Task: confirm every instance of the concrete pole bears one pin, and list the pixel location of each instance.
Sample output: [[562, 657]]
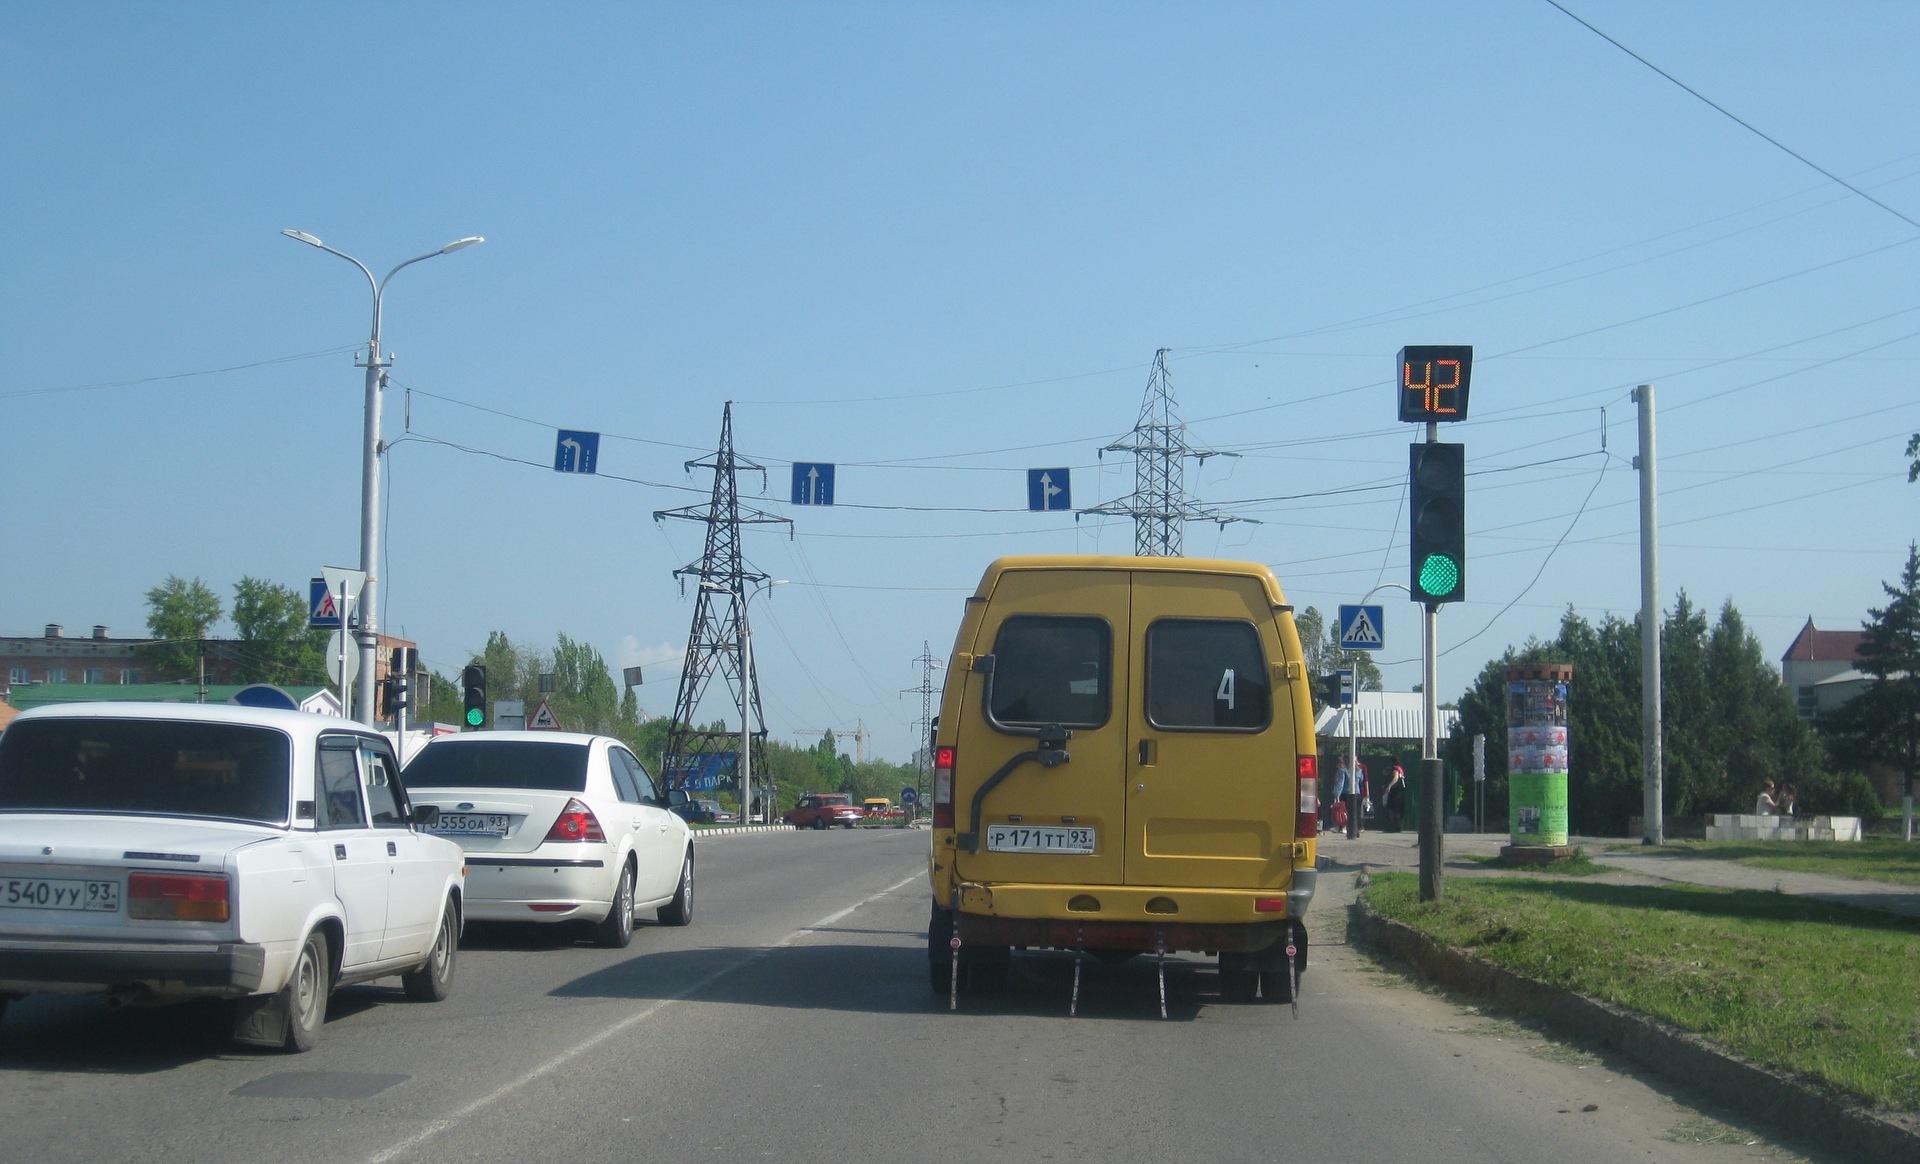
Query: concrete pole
[[746, 712], [367, 632], [1653, 778]]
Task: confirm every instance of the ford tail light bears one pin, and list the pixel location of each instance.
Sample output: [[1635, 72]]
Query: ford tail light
[[178, 897], [576, 823], [943, 758], [1307, 818]]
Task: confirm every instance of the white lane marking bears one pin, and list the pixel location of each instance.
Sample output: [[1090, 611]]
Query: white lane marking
[[497, 1094]]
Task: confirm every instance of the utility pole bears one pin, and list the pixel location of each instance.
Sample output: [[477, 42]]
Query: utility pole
[[923, 727], [1159, 505], [720, 641], [1653, 823], [1433, 771]]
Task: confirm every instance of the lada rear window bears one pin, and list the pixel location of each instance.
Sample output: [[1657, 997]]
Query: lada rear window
[[1207, 673], [499, 764], [147, 766], [1053, 669]]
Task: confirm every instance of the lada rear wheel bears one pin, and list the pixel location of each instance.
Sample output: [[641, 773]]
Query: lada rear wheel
[[616, 932], [819, 822], [433, 981], [307, 994]]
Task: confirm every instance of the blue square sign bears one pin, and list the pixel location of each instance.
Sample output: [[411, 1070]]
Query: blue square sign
[[812, 483], [1049, 489], [576, 452], [1362, 628]]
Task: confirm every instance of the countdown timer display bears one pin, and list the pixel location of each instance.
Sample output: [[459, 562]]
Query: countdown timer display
[[1432, 381]]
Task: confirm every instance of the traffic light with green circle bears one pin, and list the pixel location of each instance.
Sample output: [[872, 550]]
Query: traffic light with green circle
[[1437, 529], [473, 690]]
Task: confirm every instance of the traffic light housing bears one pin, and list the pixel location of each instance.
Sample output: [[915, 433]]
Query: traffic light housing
[[1437, 528], [473, 692]]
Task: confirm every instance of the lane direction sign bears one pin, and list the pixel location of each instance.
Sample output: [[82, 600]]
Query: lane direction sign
[[576, 452], [1362, 628], [1049, 489], [812, 483]]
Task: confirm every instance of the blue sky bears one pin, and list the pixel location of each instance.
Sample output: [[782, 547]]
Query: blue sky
[[938, 244]]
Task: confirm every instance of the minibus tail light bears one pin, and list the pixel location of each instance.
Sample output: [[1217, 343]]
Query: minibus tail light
[[943, 786], [1307, 817]]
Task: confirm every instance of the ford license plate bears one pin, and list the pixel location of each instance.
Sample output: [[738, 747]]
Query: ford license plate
[[471, 824], [60, 893], [1003, 838]]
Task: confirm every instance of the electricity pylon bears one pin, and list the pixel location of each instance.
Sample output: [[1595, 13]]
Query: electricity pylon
[[1159, 505], [720, 641], [923, 751]]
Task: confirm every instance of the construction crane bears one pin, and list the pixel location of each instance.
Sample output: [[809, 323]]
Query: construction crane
[[859, 734]]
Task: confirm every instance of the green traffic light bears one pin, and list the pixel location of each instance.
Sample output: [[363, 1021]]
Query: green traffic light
[[475, 717], [1439, 575]]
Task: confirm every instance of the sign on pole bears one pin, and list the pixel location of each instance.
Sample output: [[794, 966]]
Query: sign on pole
[[576, 452], [1362, 628], [1345, 676], [542, 719], [323, 612], [1049, 489], [812, 483]]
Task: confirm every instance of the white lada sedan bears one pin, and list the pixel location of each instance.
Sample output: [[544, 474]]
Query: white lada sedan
[[557, 826], [160, 852]]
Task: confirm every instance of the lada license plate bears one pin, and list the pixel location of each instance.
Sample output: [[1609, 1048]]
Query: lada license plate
[[60, 893], [1038, 839], [471, 824]]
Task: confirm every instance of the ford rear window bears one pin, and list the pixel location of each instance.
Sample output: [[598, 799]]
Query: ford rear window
[[147, 766], [499, 764], [1052, 669]]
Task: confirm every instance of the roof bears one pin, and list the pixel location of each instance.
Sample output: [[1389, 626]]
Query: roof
[[26, 696], [1815, 645], [1385, 715], [292, 722], [1217, 566], [534, 735]]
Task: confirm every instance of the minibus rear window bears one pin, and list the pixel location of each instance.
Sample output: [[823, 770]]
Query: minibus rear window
[[1049, 669], [1207, 673]]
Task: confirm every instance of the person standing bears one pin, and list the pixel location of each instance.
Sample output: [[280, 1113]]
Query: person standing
[[1394, 800], [1358, 803], [1764, 804], [1341, 779]]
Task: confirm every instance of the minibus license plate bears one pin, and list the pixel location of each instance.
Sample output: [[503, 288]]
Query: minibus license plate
[[1038, 839], [471, 824]]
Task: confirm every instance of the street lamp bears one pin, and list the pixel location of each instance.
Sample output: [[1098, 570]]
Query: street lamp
[[745, 766], [367, 633]]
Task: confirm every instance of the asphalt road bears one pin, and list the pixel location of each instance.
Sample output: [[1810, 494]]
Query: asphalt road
[[792, 1021]]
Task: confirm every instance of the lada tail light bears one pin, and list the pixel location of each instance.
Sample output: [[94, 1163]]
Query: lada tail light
[[1307, 820], [576, 823], [943, 787], [178, 897]]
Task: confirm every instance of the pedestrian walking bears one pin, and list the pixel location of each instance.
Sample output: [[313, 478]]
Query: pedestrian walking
[[1341, 779]]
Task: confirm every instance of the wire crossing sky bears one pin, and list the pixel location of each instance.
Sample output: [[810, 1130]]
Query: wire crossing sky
[[938, 246]]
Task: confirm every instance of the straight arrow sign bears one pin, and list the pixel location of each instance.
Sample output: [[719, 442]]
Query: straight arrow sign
[[1049, 489]]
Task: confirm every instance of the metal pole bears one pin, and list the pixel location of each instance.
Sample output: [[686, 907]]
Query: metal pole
[[1432, 771], [1653, 824], [366, 632], [1353, 759]]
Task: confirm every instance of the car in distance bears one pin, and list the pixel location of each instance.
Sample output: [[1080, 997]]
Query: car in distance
[[702, 811], [557, 826], [162, 852], [820, 810]]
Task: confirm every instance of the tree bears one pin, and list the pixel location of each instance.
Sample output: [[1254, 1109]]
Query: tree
[[1883, 722], [1913, 452], [276, 645], [179, 614]]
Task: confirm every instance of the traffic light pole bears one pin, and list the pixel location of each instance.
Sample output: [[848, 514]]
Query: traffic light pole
[[1432, 770]]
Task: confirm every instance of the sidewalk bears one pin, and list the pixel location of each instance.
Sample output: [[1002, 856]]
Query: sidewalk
[[1401, 851]]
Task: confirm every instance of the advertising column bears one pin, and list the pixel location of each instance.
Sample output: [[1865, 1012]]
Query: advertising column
[[1537, 752]]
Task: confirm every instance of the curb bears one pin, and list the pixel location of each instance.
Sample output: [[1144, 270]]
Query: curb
[[1757, 1092], [741, 830]]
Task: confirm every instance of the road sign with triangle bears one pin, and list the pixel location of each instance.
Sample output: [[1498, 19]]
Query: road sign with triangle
[[1362, 628], [542, 719]]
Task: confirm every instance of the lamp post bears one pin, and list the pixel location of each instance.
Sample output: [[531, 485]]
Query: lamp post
[[745, 766], [366, 633]]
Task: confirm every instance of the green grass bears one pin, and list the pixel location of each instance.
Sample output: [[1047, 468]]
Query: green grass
[[1873, 859], [1823, 990], [1580, 865]]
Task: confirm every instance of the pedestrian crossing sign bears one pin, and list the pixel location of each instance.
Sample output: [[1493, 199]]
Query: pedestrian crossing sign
[[1361, 628]]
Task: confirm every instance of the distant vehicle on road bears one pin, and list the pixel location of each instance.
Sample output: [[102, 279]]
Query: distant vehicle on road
[[819, 810], [1125, 762], [701, 811], [157, 852], [557, 826]]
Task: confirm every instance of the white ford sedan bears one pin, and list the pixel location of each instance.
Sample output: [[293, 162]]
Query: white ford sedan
[[159, 852], [557, 826]]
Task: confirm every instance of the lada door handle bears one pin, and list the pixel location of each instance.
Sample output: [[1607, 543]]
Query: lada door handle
[[392, 849], [339, 852]]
